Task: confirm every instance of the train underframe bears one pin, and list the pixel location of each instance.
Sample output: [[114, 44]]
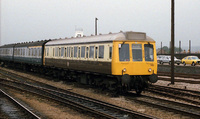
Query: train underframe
[[117, 84]]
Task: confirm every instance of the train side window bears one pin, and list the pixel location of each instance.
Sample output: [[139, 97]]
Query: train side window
[[47, 51], [87, 51], [29, 52], [82, 51], [79, 52], [72, 52], [101, 51], [53, 52], [96, 50], [91, 52], [62, 51], [75, 51], [68, 52], [56, 52], [110, 52]]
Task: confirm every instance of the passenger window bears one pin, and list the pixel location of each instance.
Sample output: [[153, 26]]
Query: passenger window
[[124, 52], [59, 52], [110, 52], [91, 52], [75, 51], [72, 52], [67, 51], [62, 52], [101, 52], [189, 58], [137, 52], [82, 51], [87, 50]]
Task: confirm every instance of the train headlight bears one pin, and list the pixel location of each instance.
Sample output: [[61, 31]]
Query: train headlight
[[150, 70], [124, 69]]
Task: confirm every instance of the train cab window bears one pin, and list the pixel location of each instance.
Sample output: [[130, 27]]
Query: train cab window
[[91, 52], [137, 52], [87, 51], [110, 52], [101, 52], [149, 55], [124, 52], [82, 51], [75, 51], [79, 52], [62, 51]]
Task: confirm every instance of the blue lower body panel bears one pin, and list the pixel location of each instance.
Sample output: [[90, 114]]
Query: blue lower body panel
[[28, 60]]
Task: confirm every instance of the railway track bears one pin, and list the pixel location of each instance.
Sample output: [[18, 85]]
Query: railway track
[[77, 101], [173, 106], [189, 96], [183, 75], [15, 109]]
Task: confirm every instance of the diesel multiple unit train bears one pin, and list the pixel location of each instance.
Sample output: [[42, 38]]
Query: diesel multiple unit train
[[116, 61]]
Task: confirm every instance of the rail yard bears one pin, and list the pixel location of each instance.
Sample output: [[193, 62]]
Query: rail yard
[[160, 100]]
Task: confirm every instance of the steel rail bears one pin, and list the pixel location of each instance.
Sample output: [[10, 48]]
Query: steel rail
[[97, 107], [26, 110], [185, 109]]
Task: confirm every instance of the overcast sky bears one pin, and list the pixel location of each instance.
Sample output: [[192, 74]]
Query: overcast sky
[[32, 20]]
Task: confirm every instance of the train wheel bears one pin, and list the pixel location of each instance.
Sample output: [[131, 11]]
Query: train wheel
[[138, 91]]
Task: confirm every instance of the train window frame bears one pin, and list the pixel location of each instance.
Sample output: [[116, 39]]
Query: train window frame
[[110, 52], [91, 52], [87, 52], [62, 51], [148, 57], [75, 51], [72, 52], [83, 53], [101, 52], [53, 52], [137, 55], [122, 48]]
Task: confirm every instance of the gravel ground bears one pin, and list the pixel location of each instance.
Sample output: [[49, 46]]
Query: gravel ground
[[51, 110], [120, 101], [180, 85]]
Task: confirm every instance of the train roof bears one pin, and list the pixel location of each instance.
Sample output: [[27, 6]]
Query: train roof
[[29, 44], [8, 46], [137, 36]]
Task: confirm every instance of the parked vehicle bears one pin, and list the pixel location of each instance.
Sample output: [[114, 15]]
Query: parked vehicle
[[193, 60], [167, 59]]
